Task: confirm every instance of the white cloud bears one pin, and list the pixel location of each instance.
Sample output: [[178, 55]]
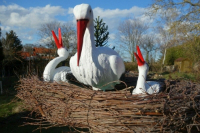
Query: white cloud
[[108, 13], [70, 10], [113, 17], [26, 21], [46, 40], [20, 19], [112, 36], [146, 19], [28, 37], [5, 28], [15, 15]]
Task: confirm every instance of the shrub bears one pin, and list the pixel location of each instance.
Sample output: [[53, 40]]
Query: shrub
[[156, 67], [131, 66]]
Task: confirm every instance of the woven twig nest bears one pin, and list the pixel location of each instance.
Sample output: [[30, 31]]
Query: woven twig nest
[[176, 109]]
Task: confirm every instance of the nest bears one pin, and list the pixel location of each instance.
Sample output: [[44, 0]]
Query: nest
[[176, 109]]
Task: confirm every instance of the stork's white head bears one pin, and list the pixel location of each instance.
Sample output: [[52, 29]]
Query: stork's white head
[[142, 65], [62, 52], [84, 17], [83, 12]]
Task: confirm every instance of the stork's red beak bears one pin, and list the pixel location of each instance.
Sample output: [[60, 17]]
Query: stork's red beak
[[81, 26], [139, 57], [59, 43]]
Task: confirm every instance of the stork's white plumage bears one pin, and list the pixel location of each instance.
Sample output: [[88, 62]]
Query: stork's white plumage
[[51, 73], [144, 86], [90, 65]]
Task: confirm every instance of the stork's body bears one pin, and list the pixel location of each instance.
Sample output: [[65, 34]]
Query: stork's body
[[51, 73], [96, 66], [144, 86]]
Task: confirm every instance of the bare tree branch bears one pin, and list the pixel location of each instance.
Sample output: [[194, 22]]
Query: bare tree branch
[[130, 34]]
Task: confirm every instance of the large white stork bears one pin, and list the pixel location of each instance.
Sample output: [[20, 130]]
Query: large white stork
[[90, 65], [51, 73], [144, 86]]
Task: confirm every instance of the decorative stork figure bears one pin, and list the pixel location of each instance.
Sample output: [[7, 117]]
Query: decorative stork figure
[[51, 73], [97, 67], [144, 86]]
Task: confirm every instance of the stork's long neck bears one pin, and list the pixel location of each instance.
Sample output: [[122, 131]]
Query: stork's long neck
[[88, 40], [53, 63], [50, 67], [141, 78]]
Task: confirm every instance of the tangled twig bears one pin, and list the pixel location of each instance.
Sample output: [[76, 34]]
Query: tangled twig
[[176, 109]]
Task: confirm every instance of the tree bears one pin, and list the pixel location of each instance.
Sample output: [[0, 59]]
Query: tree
[[45, 33], [12, 51], [183, 12], [174, 53], [1, 50], [178, 23], [68, 35], [100, 32], [28, 48], [165, 41], [148, 45], [130, 33], [12, 42], [69, 38], [190, 8]]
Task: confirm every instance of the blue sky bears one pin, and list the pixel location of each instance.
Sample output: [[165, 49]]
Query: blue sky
[[25, 17], [106, 4]]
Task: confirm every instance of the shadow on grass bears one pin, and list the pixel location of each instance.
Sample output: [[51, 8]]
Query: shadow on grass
[[164, 73], [13, 124]]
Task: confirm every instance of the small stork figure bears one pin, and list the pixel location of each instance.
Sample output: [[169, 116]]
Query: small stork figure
[[144, 86], [51, 73]]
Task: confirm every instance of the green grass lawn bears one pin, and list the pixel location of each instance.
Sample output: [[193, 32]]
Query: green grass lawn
[[8, 102], [8, 105], [182, 76]]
